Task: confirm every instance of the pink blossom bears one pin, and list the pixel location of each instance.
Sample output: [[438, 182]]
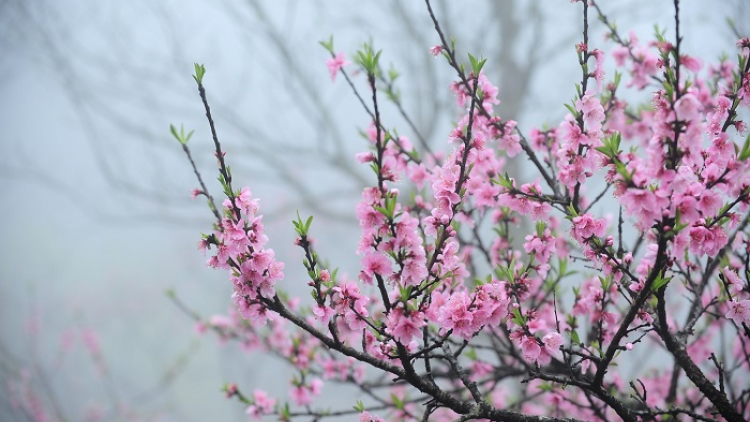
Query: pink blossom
[[405, 327], [552, 343], [688, 208], [262, 259], [200, 327], [599, 69], [691, 63], [620, 54], [234, 229], [325, 276], [231, 390], [644, 204], [435, 50], [707, 241], [247, 203], [316, 386], [220, 321], [375, 263], [368, 417], [739, 311], [584, 227], [530, 348], [593, 112], [480, 369], [300, 395], [456, 316], [643, 68], [709, 203], [365, 157], [335, 64], [262, 404], [91, 341], [636, 286], [323, 313], [687, 107], [733, 280], [203, 246], [542, 247], [417, 174], [510, 142]]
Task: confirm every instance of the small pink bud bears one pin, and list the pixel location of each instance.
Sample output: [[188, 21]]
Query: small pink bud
[[325, 276], [231, 390]]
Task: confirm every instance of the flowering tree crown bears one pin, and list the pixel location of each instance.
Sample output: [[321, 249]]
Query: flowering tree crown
[[451, 318]]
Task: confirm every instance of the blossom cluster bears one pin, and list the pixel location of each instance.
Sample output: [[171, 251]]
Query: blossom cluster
[[239, 240]]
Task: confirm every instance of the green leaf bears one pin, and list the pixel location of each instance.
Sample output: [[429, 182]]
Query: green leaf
[[658, 33], [384, 211], [181, 137], [504, 181], [391, 203], [397, 402], [393, 73], [545, 386], [286, 413], [472, 60], [618, 77], [368, 59], [745, 153], [328, 45], [623, 171], [605, 282], [660, 282], [300, 227], [572, 211], [405, 292], [540, 227], [359, 407], [571, 109], [518, 318], [476, 64], [200, 71], [562, 267], [611, 146], [604, 150], [505, 273]]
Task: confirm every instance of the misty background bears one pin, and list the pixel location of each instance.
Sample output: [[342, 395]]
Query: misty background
[[97, 219]]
